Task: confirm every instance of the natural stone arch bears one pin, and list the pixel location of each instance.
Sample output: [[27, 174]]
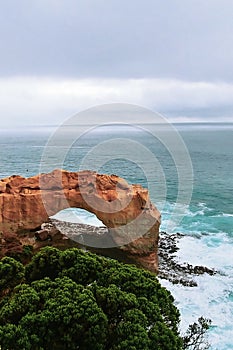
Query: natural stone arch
[[25, 203]]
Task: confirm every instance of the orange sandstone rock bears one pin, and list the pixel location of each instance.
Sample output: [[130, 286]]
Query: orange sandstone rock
[[132, 219]]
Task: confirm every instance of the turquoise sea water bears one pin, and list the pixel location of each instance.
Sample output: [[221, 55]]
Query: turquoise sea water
[[207, 221]]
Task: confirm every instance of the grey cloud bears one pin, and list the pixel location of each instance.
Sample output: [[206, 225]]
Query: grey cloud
[[189, 40], [44, 101]]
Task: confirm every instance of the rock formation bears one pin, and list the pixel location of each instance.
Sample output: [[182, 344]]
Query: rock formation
[[132, 220]]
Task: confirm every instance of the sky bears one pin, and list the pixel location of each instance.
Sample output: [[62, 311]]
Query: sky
[[59, 57]]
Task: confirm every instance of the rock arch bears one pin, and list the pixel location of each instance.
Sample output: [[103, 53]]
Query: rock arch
[[25, 203]]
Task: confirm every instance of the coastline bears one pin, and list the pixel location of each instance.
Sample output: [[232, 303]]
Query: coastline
[[64, 234], [169, 266], [171, 270]]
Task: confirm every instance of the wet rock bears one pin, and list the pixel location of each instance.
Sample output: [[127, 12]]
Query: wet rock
[[171, 269]]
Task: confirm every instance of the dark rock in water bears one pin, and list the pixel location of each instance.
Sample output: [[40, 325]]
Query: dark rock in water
[[200, 270], [173, 271]]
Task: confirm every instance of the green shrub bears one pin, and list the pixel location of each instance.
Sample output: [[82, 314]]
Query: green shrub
[[77, 300]]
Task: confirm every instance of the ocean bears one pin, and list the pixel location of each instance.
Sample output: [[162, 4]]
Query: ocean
[[204, 216]]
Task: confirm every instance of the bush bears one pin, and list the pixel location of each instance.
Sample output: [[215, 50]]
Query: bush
[[11, 273], [77, 300]]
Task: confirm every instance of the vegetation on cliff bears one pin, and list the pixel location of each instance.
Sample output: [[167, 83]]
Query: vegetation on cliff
[[72, 299], [76, 300]]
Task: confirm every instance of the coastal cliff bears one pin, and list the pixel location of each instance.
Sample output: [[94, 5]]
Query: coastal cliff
[[126, 210]]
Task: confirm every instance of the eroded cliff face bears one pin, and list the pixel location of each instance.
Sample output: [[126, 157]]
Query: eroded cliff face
[[133, 221]]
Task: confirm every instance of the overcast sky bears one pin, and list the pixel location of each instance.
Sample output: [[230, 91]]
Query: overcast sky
[[58, 57]]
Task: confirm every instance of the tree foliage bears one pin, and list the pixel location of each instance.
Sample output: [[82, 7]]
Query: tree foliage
[[11, 273], [77, 300], [194, 339]]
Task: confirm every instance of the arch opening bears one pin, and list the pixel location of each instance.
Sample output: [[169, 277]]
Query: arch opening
[[78, 216], [83, 227]]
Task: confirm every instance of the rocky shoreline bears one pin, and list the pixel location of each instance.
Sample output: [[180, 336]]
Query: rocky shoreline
[[169, 266], [64, 235], [93, 238]]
